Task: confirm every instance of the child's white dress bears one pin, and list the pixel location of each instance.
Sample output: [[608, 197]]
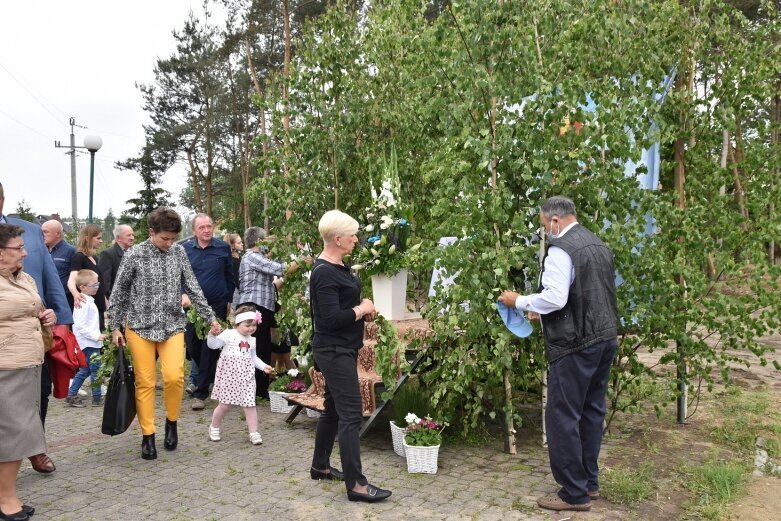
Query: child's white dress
[[234, 380]]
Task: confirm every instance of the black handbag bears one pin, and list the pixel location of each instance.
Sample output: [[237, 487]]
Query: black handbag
[[120, 406]]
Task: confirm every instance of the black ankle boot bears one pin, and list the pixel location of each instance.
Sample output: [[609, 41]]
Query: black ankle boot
[[171, 437], [148, 450]]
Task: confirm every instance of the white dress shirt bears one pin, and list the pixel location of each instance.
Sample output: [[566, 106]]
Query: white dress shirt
[[86, 324], [557, 276]]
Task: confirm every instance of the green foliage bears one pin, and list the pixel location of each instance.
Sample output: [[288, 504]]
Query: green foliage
[[24, 211], [628, 486], [108, 359], [201, 326], [715, 484], [746, 416], [410, 398], [150, 196], [390, 361], [473, 98]]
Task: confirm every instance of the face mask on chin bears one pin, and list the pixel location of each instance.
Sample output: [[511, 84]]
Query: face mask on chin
[[550, 233]]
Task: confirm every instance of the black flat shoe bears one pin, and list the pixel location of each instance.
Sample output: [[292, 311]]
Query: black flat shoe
[[27, 509], [171, 437], [148, 450], [372, 495], [332, 474], [18, 516]]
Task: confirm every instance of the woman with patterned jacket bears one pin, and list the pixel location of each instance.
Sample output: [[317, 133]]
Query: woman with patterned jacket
[[146, 301]]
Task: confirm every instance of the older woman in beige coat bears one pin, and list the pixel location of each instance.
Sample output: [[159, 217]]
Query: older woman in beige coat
[[22, 317]]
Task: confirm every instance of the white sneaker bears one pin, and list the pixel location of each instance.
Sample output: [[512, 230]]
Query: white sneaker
[[255, 438], [214, 433]]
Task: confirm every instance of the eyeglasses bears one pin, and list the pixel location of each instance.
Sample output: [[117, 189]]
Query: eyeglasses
[[19, 248], [93, 285]]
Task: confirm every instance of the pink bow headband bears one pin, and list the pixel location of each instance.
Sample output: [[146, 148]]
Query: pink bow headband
[[249, 315]]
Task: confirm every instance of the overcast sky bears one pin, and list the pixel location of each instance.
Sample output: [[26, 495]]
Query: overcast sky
[[79, 59]]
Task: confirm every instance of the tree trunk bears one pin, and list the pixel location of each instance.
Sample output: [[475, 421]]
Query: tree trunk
[[285, 97], [775, 143], [736, 159], [680, 183], [195, 173]]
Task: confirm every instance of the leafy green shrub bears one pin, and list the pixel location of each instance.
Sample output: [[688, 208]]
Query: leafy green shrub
[[627, 486], [410, 398]]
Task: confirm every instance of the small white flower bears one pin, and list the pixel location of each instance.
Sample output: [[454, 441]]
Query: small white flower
[[356, 267], [384, 226], [374, 252], [292, 372], [387, 219], [411, 418], [369, 227], [392, 249]]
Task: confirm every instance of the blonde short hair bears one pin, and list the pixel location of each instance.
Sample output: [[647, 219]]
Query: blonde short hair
[[84, 277], [333, 223]]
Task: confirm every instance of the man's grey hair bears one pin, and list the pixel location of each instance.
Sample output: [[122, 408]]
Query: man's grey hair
[[559, 206], [253, 235], [200, 216], [118, 229]]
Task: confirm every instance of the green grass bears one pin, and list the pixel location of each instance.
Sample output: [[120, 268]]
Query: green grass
[[627, 486], [715, 485], [745, 415]]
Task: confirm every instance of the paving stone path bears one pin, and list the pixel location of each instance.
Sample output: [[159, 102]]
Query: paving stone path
[[103, 478]]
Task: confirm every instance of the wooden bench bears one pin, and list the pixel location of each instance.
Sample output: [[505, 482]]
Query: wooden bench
[[368, 379]]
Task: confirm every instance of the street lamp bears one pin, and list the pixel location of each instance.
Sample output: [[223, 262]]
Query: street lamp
[[93, 144]]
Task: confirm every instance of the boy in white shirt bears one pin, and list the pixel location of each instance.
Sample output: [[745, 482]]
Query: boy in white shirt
[[86, 327]]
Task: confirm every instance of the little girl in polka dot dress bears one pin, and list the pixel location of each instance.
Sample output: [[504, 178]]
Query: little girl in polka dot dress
[[234, 381]]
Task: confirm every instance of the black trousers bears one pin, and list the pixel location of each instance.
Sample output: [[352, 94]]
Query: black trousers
[[202, 356], [46, 389], [574, 416], [342, 413]]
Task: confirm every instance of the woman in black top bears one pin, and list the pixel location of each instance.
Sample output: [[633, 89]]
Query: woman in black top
[[90, 238], [339, 313], [237, 246]]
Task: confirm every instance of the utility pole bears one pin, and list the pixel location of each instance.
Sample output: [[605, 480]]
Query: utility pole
[[72, 152]]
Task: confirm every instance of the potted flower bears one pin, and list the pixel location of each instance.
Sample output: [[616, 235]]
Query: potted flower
[[410, 398], [421, 444], [285, 383], [386, 224]]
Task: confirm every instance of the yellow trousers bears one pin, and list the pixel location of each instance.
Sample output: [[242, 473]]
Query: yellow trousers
[[171, 354]]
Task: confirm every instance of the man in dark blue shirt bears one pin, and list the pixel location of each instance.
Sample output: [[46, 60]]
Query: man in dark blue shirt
[[61, 253], [213, 267]]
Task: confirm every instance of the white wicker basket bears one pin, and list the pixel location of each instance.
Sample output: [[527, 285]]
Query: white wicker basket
[[421, 460], [312, 413], [278, 402], [397, 435]]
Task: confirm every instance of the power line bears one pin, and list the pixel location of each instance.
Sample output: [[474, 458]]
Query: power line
[[57, 118], [25, 125], [101, 131]]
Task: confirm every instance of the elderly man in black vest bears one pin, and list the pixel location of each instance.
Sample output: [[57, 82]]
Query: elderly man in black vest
[[111, 258], [577, 305]]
